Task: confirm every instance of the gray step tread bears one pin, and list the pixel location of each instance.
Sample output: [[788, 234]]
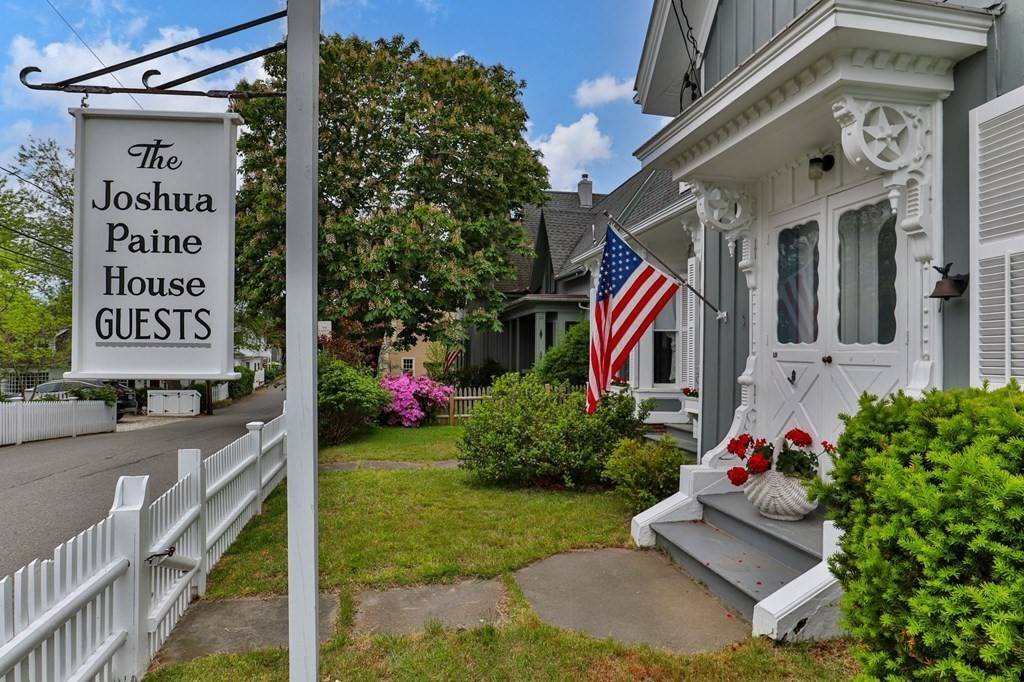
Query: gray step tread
[[804, 535], [751, 571], [684, 439]]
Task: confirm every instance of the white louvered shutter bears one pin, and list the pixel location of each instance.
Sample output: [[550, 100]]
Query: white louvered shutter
[[691, 364], [997, 240]]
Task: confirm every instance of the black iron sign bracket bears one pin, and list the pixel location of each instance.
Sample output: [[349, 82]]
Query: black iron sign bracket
[[77, 83]]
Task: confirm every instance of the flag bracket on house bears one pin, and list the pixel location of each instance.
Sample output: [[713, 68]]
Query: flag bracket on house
[[720, 315]]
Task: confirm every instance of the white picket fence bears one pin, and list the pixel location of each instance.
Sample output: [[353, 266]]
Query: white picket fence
[[27, 420], [220, 392], [110, 597], [259, 378]]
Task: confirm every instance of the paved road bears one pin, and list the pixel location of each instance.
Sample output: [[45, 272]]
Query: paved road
[[51, 490]]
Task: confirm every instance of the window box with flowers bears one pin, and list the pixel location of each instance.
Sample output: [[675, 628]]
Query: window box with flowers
[[774, 476]]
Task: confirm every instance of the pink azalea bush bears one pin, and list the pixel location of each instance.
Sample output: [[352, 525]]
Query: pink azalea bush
[[414, 400]]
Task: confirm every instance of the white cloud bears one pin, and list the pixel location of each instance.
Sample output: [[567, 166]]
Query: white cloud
[[429, 6], [603, 90], [569, 148]]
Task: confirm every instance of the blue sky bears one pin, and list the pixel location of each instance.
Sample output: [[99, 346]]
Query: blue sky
[[579, 60]]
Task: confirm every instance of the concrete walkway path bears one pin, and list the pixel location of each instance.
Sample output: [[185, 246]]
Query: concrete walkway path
[[635, 597], [387, 465], [232, 626]]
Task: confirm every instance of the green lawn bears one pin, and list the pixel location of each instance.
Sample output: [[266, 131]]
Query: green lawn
[[401, 527], [381, 528], [425, 444]]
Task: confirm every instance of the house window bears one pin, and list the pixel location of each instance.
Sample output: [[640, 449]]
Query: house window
[[867, 275], [408, 365], [666, 340], [798, 284]]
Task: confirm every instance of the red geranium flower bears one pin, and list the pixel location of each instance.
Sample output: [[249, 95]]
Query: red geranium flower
[[737, 475], [758, 463], [738, 445], [799, 438], [828, 447], [760, 443]]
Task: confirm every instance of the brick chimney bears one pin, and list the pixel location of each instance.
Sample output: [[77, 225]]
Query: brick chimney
[[586, 191]]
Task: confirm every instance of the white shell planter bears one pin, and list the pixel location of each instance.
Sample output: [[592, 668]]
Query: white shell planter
[[780, 497]]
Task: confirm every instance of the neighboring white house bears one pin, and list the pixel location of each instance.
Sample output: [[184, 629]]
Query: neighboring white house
[[828, 154]]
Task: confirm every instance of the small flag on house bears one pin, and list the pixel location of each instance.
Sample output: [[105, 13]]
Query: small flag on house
[[450, 358], [630, 294]]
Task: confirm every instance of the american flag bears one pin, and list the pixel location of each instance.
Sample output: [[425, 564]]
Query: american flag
[[630, 294], [450, 358]]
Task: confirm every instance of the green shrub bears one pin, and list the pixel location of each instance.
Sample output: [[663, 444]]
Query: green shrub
[[108, 394], [568, 360], [930, 496], [529, 434], [272, 371], [242, 386], [349, 399], [645, 472]]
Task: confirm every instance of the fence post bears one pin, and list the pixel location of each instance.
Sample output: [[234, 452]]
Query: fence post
[[190, 463], [74, 416], [130, 515], [451, 408], [19, 419], [256, 448]]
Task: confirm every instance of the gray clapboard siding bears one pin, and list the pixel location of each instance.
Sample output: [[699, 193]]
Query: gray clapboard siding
[[740, 28], [725, 345]]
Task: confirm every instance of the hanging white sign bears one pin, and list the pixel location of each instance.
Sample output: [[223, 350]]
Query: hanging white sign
[[154, 245]]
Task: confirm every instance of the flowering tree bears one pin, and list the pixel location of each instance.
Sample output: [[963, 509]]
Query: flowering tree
[[414, 400]]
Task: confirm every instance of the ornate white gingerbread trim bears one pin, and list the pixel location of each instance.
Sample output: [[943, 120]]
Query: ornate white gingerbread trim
[[726, 208]]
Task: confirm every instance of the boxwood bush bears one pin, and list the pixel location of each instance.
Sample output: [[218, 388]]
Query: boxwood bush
[[350, 399], [645, 472], [930, 496], [527, 433]]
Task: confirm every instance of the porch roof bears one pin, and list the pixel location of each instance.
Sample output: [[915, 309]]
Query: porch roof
[[778, 103]]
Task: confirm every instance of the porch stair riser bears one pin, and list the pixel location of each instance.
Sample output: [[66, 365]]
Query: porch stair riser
[[741, 556], [799, 552], [730, 569], [682, 434]]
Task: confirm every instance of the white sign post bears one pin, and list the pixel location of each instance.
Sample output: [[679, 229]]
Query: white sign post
[[154, 245], [301, 263]]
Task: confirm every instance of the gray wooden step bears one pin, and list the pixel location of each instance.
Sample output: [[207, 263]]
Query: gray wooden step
[[794, 543], [736, 571], [682, 434]]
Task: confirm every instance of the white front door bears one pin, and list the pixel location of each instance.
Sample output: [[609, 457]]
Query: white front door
[[834, 304]]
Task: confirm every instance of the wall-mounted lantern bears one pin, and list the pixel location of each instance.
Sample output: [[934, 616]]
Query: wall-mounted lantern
[[950, 286], [819, 165]]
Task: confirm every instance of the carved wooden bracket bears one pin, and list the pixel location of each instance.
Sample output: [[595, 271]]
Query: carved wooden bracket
[[724, 207], [895, 139]]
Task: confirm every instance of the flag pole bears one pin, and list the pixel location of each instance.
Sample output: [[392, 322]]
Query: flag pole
[[720, 315]]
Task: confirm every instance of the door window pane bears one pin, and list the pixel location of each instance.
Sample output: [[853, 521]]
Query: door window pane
[[665, 339], [867, 275], [798, 284]]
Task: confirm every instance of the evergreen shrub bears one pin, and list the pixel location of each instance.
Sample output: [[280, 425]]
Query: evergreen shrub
[[930, 496], [349, 399], [527, 433], [568, 360], [243, 385], [645, 472]]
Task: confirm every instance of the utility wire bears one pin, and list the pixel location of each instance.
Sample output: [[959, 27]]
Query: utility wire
[[60, 269], [37, 239], [82, 40], [29, 182]]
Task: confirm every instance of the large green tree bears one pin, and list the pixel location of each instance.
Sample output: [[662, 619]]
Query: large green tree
[[423, 172]]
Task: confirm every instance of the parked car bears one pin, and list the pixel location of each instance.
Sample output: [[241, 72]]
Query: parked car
[[126, 400]]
